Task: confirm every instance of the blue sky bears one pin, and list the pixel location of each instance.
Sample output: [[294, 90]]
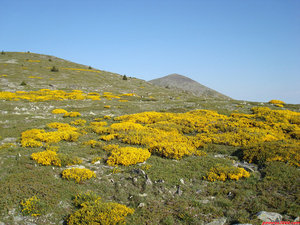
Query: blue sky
[[246, 49]]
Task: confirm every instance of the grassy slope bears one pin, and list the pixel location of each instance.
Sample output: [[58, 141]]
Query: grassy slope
[[201, 201]]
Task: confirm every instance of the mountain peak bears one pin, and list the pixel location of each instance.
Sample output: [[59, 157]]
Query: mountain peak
[[187, 84]]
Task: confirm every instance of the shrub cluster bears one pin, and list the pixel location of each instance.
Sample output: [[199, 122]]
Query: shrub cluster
[[31, 206], [222, 173], [57, 95], [92, 210], [128, 156], [49, 157], [78, 174]]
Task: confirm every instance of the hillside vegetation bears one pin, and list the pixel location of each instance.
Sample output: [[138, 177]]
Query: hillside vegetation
[[80, 145]]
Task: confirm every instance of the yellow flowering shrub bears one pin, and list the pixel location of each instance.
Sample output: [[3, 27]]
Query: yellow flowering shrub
[[108, 137], [72, 114], [46, 158], [31, 206], [94, 211], [107, 117], [285, 151], [128, 156], [33, 60], [274, 101], [79, 122], [36, 137], [59, 111], [49, 157], [93, 143], [98, 124], [222, 173], [107, 106], [174, 135], [110, 148], [61, 126], [78, 174], [54, 95]]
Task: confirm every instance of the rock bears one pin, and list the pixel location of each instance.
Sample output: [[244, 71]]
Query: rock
[[159, 181], [138, 171], [219, 156], [148, 181], [297, 219], [220, 221], [178, 191], [134, 180], [97, 162], [143, 195], [18, 218], [204, 201], [198, 191], [247, 166], [242, 224], [1, 223], [269, 216], [141, 205], [181, 181]]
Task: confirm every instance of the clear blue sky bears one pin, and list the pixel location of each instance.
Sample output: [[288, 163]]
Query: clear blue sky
[[246, 49]]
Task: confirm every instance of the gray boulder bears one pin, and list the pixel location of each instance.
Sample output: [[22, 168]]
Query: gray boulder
[[269, 216], [220, 221]]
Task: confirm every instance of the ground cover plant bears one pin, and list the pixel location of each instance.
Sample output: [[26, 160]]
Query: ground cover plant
[[154, 155]]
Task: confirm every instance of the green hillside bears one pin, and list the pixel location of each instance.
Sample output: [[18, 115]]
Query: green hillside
[[148, 154]]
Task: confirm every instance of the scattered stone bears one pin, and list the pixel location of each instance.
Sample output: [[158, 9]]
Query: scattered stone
[[138, 171], [178, 191], [143, 195], [181, 181], [9, 140], [242, 224], [247, 166], [97, 162], [18, 218], [159, 181], [269, 216], [141, 205], [220, 221], [148, 181], [134, 180], [198, 191], [219, 156], [204, 201], [76, 166]]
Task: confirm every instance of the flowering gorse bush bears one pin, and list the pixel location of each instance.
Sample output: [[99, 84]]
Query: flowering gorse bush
[[36, 137], [59, 111], [72, 114], [46, 158], [79, 122], [94, 211], [31, 206], [274, 101], [175, 135], [222, 173], [49, 157], [78, 174], [128, 156], [54, 95]]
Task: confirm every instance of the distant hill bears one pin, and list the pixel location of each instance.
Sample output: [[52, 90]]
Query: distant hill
[[186, 84]]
